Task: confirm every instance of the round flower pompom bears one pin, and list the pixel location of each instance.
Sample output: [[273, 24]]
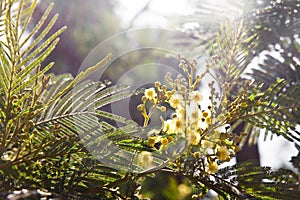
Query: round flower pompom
[[180, 113], [195, 116], [164, 141], [197, 154], [207, 144], [192, 136], [179, 125], [195, 96], [223, 153], [205, 114], [151, 141], [150, 93], [173, 126], [212, 167], [176, 101]]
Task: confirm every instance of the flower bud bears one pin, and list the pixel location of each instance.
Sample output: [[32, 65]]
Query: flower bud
[[157, 84]]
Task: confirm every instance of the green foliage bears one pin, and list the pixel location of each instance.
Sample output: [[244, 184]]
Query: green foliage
[[273, 113], [53, 133], [277, 27], [231, 53], [274, 108], [261, 182], [42, 115]]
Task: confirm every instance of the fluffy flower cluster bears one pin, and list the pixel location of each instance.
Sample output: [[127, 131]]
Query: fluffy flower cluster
[[189, 121]]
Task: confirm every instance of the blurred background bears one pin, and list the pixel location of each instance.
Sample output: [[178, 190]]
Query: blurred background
[[91, 22]]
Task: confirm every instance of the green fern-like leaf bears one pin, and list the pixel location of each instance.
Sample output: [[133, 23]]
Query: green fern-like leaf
[[48, 122], [268, 110], [262, 182]]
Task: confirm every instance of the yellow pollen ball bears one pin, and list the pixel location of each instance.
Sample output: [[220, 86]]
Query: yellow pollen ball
[[195, 115], [208, 120], [164, 141], [151, 141], [141, 107], [169, 94], [170, 139], [177, 124], [205, 114], [196, 96], [221, 117], [150, 93], [157, 84], [223, 153], [166, 128], [175, 101], [212, 167], [163, 108], [207, 144], [193, 137], [144, 98], [197, 154]]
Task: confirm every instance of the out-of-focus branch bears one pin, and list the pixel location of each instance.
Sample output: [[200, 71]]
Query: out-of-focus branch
[[139, 13]]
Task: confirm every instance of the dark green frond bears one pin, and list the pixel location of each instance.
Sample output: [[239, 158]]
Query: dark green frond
[[274, 109], [57, 136], [230, 54], [262, 182], [277, 26], [23, 65]]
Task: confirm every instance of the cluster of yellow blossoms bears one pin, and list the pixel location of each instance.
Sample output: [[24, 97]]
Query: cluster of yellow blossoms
[[199, 127]]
